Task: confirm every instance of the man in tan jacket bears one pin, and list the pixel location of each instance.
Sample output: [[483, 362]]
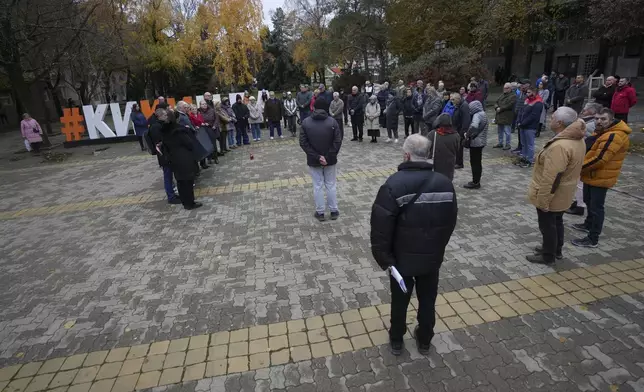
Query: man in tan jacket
[[554, 181]]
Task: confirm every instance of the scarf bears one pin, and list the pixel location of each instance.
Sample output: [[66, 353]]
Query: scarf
[[535, 98]]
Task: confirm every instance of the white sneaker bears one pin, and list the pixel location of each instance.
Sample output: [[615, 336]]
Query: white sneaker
[[282, 137], [388, 140], [272, 138], [395, 140]]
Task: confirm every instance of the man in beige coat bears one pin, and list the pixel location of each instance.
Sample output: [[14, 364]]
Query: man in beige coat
[[554, 181]]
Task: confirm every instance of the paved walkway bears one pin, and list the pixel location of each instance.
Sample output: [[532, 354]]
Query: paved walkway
[[106, 287]]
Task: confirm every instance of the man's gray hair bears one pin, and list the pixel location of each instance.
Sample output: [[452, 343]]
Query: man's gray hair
[[336, 94], [507, 85], [592, 108], [181, 105], [417, 146], [455, 96], [565, 115]]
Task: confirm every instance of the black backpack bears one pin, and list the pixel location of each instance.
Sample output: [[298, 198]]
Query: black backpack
[[149, 144]]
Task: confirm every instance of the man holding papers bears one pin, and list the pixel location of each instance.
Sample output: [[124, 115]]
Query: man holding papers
[[412, 221]]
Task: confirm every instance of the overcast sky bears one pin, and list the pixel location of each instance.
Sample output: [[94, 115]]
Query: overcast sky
[[268, 6]]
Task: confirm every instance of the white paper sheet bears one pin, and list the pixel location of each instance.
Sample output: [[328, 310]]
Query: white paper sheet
[[394, 272]]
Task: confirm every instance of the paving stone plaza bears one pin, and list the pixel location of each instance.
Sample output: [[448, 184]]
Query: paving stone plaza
[[105, 287]]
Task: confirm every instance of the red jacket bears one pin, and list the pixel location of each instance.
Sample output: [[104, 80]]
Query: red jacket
[[474, 96], [196, 119], [623, 99]]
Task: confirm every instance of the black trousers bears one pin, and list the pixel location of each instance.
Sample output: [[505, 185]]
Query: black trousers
[[622, 116], [552, 230], [357, 124], [426, 292], [35, 146], [341, 125], [476, 160], [409, 123], [186, 192], [290, 123], [459, 153], [560, 97], [223, 138]]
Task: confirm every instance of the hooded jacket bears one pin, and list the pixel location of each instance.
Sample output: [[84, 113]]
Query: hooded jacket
[[226, 116], [408, 107], [241, 111], [475, 95], [506, 103], [603, 162], [623, 99], [392, 112], [320, 136], [255, 113], [477, 133], [371, 113], [433, 107], [530, 114], [414, 239], [444, 153], [461, 118], [557, 168]]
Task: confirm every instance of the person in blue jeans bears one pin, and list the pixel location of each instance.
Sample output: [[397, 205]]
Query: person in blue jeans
[[504, 109], [528, 122], [158, 126], [321, 140]]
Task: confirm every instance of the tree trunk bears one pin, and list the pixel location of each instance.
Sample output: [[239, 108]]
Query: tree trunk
[[365, 56], [550, 56], [383, 66], [528, 61], [508, 51], [602, 55]]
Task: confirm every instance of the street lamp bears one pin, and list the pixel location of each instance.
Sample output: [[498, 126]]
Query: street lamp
[[439, 46]]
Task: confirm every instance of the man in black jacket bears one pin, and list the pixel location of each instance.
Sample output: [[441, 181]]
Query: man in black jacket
[[321, 140], [562, 83], [461, 120], [158, 124], [604, 94], [356, 103], [412, 221]]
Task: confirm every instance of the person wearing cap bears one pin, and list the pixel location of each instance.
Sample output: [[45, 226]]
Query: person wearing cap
[[290, 108], [321, 140], [448, 142], [303, 100], [325, 95]]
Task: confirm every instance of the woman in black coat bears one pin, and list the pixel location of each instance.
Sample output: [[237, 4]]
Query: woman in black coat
[[178, 145]]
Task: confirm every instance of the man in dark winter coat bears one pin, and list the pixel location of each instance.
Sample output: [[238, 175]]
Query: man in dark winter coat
[[561, 86], [356, 103], [321, 140], [461, 120], [412, 220], [604, 94], [159, 126], [418, 102], [242, 113], [431, 110], [383, 94], [576, 94], [303, 100], [326, 95], [273, 114]]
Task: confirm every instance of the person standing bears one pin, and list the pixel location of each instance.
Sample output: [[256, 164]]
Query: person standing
[[255, 118], [345, 108], [412, 220], [336, 110], [476, 138], [461, 120], [197, 121], [321, 140], [528, 122], [602, 166], [408, 112], [326, 95], [382, 95], [372, 113], [562, 83], [242, 114], [273, 114], [356, 103], [554, 180], [31, 132], [290, 109], [576, 94], [140, 124], [604, 94], [518, 109], [418, 102], [178, 146], [303, 100], [158, 128], [392, 112], [545, 95], [444, 143], [433, 107], [227, 120], [210, 122], [474, 94], [623, 99], [368, 89], [505, 116]]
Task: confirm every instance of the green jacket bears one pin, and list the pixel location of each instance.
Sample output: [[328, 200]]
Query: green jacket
[[505, 103]]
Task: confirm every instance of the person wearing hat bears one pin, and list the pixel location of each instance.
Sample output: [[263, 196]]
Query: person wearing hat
[[444, 145], [290, 108], [321, 140]]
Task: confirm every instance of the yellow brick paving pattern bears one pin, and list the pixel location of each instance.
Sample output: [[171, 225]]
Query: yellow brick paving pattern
[[194, 358], [204, 191]]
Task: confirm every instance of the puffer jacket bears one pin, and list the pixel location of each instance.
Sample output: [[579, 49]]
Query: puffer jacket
[[623, 99], [530, 114], [256, 115], [506, 103], [461, 119], [371, 114], [320, 136], [392, 112], [433, 107], [557, 168], [413, 241], [603, 162], [477, 133]]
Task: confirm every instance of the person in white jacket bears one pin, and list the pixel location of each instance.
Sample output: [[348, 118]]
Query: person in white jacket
[[372, 115], [290, 109], [255, 119]]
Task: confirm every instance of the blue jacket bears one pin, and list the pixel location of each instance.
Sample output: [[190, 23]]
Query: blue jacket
[[530, 115], [140, 123]]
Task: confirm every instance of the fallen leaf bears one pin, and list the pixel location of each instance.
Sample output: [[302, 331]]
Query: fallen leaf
[[20, 355], [127, 330], [583, 307], [614, 388], [562, 339], [69, 324]]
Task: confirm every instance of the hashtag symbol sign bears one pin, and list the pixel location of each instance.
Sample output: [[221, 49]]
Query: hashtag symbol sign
[[72, 125]]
